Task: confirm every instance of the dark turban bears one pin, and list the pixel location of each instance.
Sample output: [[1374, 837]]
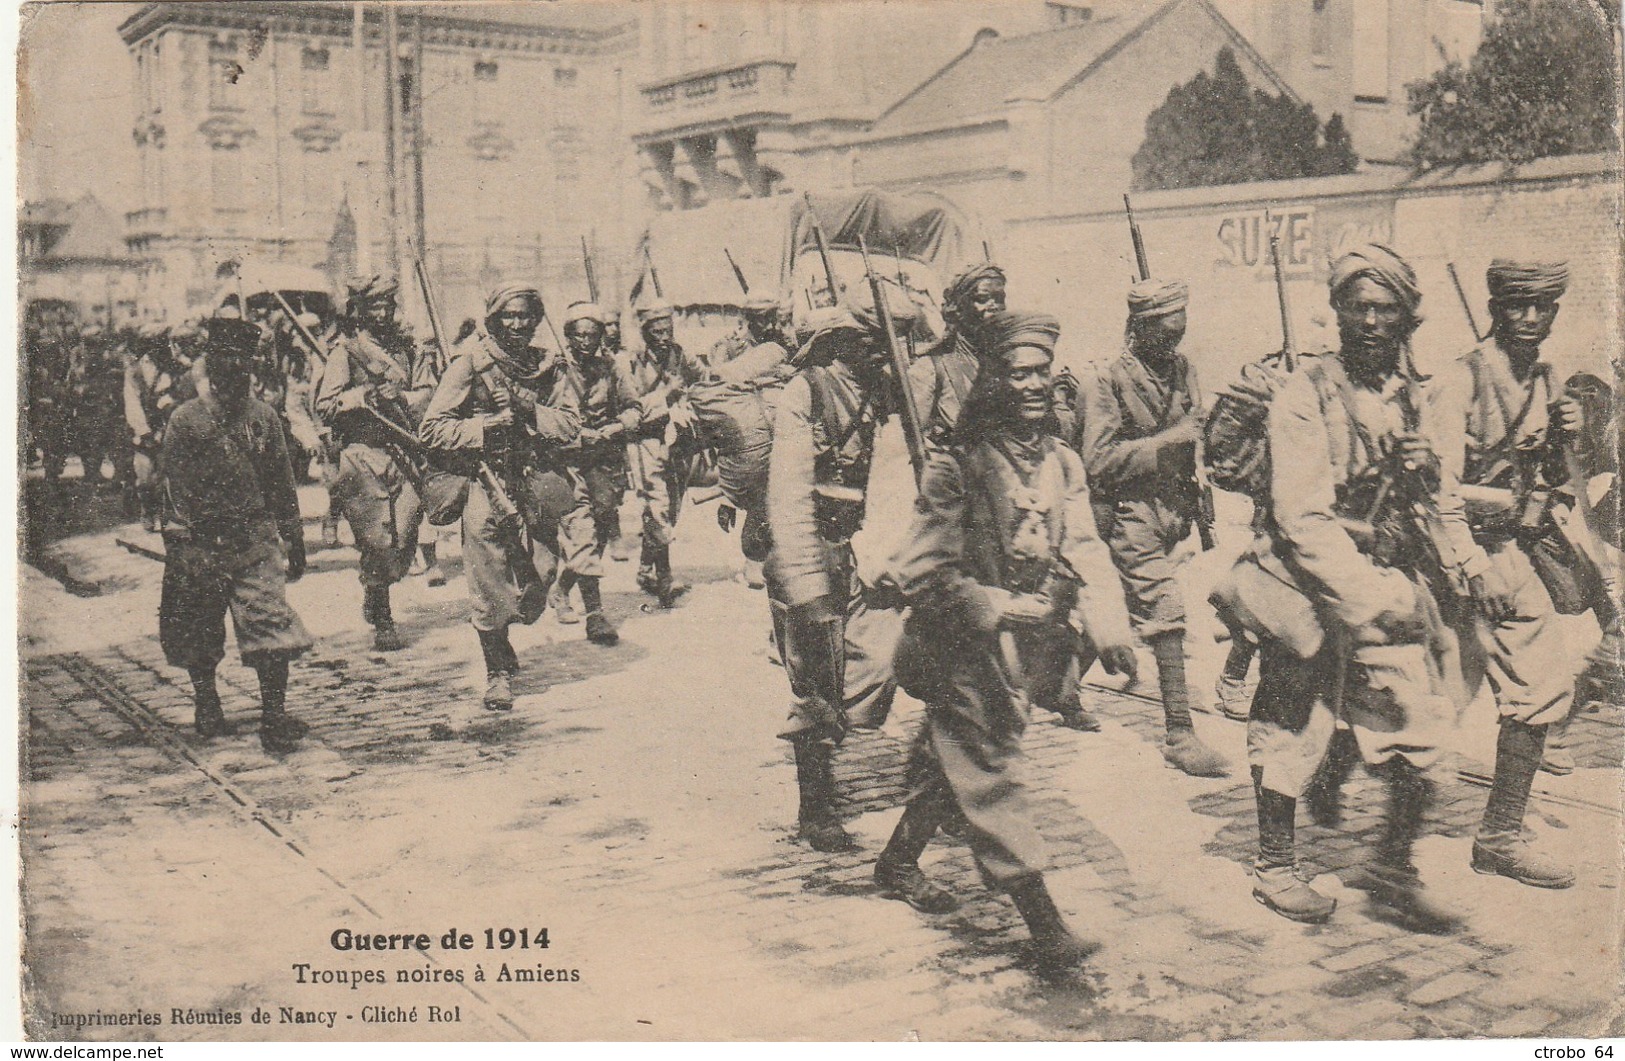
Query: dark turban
[[1527, 280], [1005, 331], [1157, 298], [960, 287], [1381, 264]]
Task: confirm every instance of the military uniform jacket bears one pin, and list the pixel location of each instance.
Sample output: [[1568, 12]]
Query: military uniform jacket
[[356, 366], [151, 396], [479, 381], [993, 520], [1490, 433], [1336, 432], [823, 441], [223, 475], [1124, 407]]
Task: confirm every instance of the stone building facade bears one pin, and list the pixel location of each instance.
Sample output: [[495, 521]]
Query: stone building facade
[[263, 135]]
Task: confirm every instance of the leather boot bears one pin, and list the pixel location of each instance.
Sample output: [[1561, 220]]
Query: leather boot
[[1392, 880], [666, 591], [280, 733], [1056, 947], [207, 717], [817, 821], [897, 871], [1500, 848], [1275, 880], [600, 631], [385, 636], [501, 662], [1323, 796]]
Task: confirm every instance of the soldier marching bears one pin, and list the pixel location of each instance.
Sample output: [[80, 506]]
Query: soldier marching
[[1413, 544]]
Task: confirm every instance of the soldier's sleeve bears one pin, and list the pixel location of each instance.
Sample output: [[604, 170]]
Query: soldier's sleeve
[[1100, 613], [276, 476], [1445, 423], [558, 415], [334, 393], [1301, 496], [930, 566], [798, 550], [444, 424], [1110, 459], [135, 412]]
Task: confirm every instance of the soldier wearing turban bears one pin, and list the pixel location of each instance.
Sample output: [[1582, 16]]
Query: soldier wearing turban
[[505, 405], [1141, 416], [1347, 626], [1497, 438], [942, 378], [609, 410], [1004, 572], [660, 445], [376, 373]]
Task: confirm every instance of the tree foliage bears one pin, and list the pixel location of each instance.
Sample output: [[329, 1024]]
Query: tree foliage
[[1219, 130], [1541, 83]]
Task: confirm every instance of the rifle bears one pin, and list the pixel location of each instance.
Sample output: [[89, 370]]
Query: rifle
[[592, 276], [1289, 343], [739, 274], [304, 333], [1466, 306], [1206, 517], [1139, 241], [654, 274], [823, 250], [910, 415], [142, 550], [502, 506]]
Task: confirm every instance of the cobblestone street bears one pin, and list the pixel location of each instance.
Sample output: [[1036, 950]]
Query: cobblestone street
[[637, 805]]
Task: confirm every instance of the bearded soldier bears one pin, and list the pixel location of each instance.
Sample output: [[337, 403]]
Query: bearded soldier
[[823, 444], [609, 409], [230, 496], [374, 387], [1004, 571], [1495, 441], [1141, 418], [504, 412], [942, 378], [1345, 627]]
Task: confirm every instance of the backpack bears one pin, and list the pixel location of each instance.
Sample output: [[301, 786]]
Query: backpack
[[1235, 439]]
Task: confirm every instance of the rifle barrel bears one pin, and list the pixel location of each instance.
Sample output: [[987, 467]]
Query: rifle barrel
[[823, 249], [909, 414], [1140, 260], [1466, 306], [1289, 343]]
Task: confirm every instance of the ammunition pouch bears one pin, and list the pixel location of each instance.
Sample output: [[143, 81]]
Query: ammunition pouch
[[838, 509]]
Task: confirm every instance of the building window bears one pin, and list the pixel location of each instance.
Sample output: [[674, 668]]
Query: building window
[[224, 70], [316, 84], [226, 177], [564, 76], [485, 71], [1320, 32], [1371, 51], [1069, 14]]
